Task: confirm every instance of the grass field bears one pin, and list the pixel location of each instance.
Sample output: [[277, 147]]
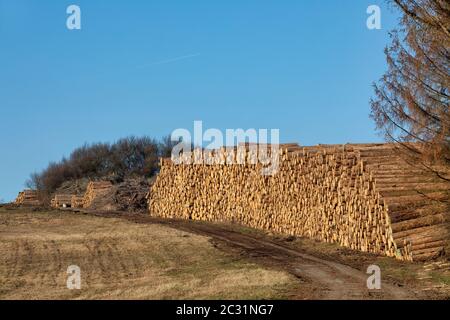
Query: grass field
[[121, 260], [136, 257]]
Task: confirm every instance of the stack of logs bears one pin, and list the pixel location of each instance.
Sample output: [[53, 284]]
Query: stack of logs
[[77, 201], [28, 198], [61, 201], [364, 197], [95, 190]]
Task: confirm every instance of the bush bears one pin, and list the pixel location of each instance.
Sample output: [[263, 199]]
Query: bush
[[128, 157]]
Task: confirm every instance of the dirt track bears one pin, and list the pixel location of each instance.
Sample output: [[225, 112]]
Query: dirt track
[[321, 278]]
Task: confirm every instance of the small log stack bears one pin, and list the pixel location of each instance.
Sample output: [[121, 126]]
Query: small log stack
[[364, 197], [28, 198], [77, 201], [95, 190], [61, 201]]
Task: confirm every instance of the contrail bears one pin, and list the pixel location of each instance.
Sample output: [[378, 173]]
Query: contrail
[[169, 60]]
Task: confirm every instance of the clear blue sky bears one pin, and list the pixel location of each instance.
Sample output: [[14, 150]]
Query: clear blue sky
[[149, 67]]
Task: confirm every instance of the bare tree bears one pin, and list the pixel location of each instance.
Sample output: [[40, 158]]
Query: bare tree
[[166, 145], [411, 104], [128, 157]]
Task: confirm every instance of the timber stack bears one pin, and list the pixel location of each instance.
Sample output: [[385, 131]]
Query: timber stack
[[61, 201], [28, 198], [77, 201], [361, 196], [96, 190]]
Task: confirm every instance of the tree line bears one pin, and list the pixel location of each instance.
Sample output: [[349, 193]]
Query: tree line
[[128, 157]]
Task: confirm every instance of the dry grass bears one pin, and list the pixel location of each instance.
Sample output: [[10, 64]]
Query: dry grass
[[121, 260]]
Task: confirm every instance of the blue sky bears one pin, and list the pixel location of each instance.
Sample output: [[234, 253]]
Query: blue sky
[[149, 67]]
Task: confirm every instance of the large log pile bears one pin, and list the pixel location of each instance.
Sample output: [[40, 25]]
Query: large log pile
[[365, 197], [28, 198], [96, 190]]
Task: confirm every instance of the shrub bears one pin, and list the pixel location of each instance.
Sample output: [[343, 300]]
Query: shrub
[[131, 156]]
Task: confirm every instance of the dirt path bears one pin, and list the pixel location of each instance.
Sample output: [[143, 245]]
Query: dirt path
[[320, 278]]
